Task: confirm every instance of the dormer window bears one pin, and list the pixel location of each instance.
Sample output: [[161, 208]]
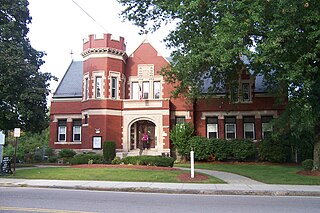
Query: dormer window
[[246, 93]]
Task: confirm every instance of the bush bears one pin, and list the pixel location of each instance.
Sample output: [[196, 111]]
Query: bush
[[53, 159], [116, 160], [242, 149], [180, 136], [202, 147], [109, 151], [307, 164], [86, 158], [221, 149], [66, 153], [273, 150], [149, 160]]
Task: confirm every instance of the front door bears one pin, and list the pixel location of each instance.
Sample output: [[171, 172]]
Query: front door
[[136, 131]]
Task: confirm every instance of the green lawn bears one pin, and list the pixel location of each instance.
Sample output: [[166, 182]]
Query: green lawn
[[271, 174], [104, 174]]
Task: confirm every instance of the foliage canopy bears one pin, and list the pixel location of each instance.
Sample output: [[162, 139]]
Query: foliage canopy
[[280, 39], [23, 87]]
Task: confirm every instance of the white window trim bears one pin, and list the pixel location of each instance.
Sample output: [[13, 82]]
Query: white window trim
[[96, 74], [114, 74], [140, 81], [244, 131], [249, 92], [73, 133], [217, 132], [153, 90], [61, 133], [96, 87], [263, 128], [235, 131], [86, 87]]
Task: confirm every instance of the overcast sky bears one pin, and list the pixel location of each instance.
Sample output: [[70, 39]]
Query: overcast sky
[[59, 26]]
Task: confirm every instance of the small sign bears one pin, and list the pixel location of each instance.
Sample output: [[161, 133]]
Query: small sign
[[2, 138], [16, 132], [97, 142], [6, 166]]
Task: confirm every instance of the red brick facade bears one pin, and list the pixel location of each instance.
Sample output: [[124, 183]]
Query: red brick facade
[[117, 97]]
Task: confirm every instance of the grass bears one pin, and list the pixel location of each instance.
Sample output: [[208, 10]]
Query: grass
[[271, 174], [104, 174]]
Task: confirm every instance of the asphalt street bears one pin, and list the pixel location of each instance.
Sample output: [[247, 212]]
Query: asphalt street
[[19, 199]]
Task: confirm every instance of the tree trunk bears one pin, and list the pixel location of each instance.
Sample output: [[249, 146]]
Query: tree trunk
[[316, 154], [316, 148]]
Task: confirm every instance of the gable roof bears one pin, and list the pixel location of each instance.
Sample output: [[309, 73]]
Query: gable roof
[[71, 83]]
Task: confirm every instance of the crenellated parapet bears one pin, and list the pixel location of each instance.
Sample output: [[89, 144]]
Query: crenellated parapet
[[104, 44]]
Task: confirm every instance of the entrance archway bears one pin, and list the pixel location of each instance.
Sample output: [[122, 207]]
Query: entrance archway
[[136, 131]]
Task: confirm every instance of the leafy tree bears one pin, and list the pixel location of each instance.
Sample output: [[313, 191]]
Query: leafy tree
[[180, 136], [280, 39], [23, 87], [31, 146]]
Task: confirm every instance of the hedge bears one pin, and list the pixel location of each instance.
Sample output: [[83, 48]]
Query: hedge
[[149, 160], [85, 158]]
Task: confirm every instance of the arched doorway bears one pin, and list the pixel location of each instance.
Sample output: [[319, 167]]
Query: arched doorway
[[136, 130]]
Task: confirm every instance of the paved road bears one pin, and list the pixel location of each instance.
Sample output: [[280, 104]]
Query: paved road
[[14, 199]]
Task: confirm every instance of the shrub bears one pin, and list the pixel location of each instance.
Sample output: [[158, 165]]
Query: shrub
[[66, 153], [307, 164], [109, 151], [221, 149], [53, 159], [273, 150], [85, 158], [202, 147], [116, 160], [149, 160], [180, 135], [242, 149]]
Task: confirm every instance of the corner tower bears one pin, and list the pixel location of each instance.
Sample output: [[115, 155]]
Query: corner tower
[[103, 87]]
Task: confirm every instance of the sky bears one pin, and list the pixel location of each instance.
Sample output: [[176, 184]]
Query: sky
[[59, 27]]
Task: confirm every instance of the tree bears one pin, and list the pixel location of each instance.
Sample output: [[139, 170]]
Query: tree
[[280, 39], [23, 87]]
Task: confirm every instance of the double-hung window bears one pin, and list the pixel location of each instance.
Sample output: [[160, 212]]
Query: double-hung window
[[114, 87], [249, 127], [98, 86], [212, 127], [230, 127], [76, 129], [62, 130], [266, 126], [145, 89], [156, 89], [86, 89], [135, 91]]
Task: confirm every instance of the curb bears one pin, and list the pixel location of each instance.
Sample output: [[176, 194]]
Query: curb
[[177, 191]]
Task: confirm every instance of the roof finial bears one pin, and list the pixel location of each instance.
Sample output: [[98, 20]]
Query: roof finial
[[146, 36], [71, 54]]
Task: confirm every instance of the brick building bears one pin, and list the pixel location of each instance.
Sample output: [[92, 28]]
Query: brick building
[[110, 96]]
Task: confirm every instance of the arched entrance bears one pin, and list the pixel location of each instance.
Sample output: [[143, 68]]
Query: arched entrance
[[136, 131]]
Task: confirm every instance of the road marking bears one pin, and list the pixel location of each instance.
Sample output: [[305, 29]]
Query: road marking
[[21, 209]]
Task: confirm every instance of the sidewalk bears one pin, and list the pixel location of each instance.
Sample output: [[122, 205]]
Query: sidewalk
[[178, 188]]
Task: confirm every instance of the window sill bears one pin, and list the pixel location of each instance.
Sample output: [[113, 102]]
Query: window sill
[[68, 143]]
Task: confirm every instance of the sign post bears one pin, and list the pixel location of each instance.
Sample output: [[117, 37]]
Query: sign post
[[2, 140], [16, 134], [192, 163]]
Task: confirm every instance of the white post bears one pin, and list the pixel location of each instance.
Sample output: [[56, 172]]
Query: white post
[[2, 140], [192, 163]]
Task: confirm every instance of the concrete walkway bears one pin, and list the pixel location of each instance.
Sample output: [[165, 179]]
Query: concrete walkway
[[227, 177]]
